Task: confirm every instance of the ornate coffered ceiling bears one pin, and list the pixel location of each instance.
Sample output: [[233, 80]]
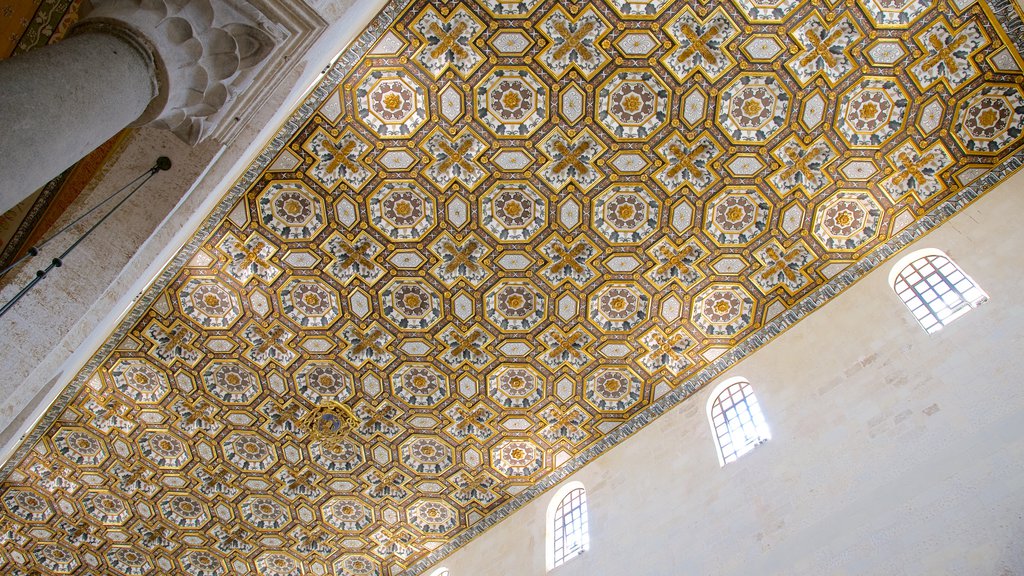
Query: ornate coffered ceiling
[[504, 236]]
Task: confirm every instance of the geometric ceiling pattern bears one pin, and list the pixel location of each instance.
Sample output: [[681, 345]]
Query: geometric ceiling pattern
[[512, 227]]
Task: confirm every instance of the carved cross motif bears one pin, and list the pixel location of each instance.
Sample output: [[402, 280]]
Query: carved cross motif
[[54, 476], [800, 163], [571, 156], [942, 53], [821, 47], [302, 480], [358, 256], [393, 478], [461, 257], [466, 344], [8, 531], [246, 256], [313, 540], [573, 39], [175, 337], [111, 408], [108, 413], [80, 531], [49, 471], [249, 258], [685, 161], [665, 351], [395, 542], [386, 485], [909, 168], [679, 260], [667, 346], [217, 478], [155, 538], [474, 487], [468, 419], [474, 483], [559, 419], [567, 257], [289, 413], [448, 40], [194, 411], [172, 343], [270, 340], [339, 155], [132, 474], [456, 157], [780, 262], [567, 344], [233, 537], [381, 416], [698, 43], [366, 342]]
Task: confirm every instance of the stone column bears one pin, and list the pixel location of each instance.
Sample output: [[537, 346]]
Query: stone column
[[171, 63], [61, 102]]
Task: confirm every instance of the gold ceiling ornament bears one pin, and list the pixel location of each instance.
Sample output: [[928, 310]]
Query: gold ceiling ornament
[[329, 423]]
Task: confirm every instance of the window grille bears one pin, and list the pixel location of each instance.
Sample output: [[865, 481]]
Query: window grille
[[936, 291], [571, 537], [738, 422]]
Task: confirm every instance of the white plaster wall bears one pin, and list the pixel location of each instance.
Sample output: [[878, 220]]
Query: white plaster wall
[[893, 452]]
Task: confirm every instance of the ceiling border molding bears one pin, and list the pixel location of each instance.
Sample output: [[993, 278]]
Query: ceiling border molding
[[301, 27]]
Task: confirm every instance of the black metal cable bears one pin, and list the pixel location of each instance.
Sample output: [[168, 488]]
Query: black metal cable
[[162, 163], [34, 250]]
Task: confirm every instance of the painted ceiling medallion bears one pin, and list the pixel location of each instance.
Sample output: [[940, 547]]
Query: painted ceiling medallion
[[753, 108], [507, 231]]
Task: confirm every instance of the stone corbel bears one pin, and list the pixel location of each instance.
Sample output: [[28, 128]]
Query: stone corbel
[[205, 53]]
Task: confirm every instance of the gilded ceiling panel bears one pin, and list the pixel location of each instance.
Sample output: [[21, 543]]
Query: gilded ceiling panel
[[511, 233]]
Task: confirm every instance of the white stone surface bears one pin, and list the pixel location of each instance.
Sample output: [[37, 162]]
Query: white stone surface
[[512, 160], [637, 43], [43, 135], [813, 110], [763, 48], [451, 103], [572, 102], [511, 42]]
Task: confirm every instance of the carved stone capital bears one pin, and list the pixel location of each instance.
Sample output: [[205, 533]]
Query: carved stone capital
[[205, 53]]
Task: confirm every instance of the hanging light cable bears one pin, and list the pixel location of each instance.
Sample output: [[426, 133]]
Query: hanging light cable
[[162, 163]]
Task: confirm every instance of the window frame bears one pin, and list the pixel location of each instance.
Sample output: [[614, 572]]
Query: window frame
[[757, 420], [913, 296], [554, 505]]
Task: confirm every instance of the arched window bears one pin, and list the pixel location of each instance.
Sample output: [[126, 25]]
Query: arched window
[[934, 288], [736, 419], [440, 572], [568, 535]]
